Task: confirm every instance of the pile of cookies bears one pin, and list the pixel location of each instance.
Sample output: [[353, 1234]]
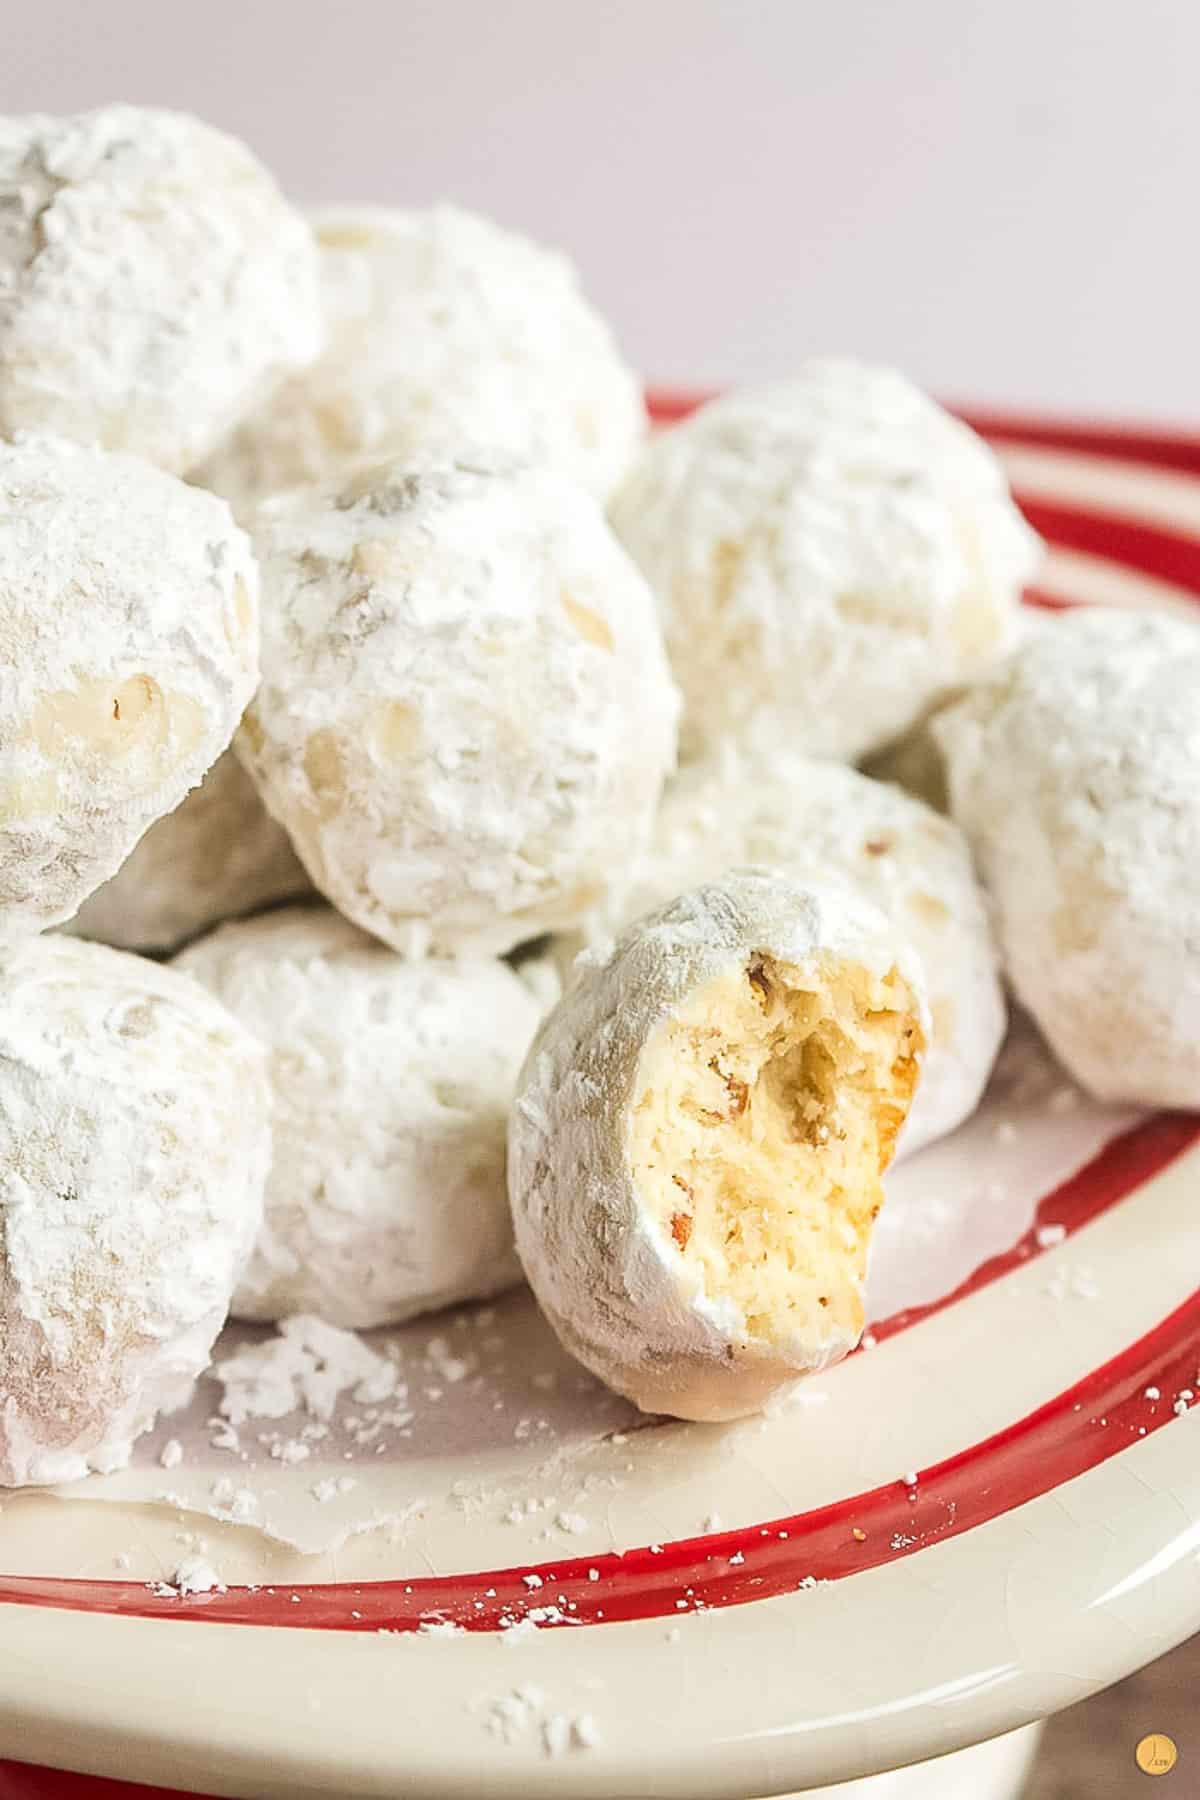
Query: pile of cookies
[[430, 850]]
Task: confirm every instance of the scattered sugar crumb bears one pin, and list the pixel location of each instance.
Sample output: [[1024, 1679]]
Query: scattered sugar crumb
[[572, 1522], [1153, 1393], [1079, 1284], [737, 1559], [238, 1504], [307, 1364], [440, 1628], [290, 1450], [532, 1581], [193, 1576], [1050, 1235], [513, 1716], [445, 1364], [331, 1487], [519, 1632], [556, 1734], [868, 1340], [909, 1478], [171, 1454]]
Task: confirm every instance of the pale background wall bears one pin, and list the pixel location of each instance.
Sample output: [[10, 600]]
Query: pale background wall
[[1002, 198]]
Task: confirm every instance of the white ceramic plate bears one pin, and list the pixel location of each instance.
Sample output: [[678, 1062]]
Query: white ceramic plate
[[712, 1611]]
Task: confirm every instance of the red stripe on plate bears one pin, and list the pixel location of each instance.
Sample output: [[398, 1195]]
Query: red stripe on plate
[[1165, 449], [26, 1781], [1167, 555], [1123, 1166], [1071, 1433]]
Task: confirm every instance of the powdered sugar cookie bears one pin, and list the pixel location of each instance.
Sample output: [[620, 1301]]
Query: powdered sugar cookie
[[128, 650], [1075, 771], [465, 704], [154, 283], [134, 1142], [697, 1146], [218, 856], [392, 1082], [827, 555], [811, 818], [443, 329]]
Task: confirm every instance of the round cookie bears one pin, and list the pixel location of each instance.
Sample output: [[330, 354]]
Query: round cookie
[[134, 1140], [466, 715], [128, 651], [827, 554], [154, 283], [810, 819], [218, 856], [444, 329], [697, 1147], [392, 1082], [1075, 772]]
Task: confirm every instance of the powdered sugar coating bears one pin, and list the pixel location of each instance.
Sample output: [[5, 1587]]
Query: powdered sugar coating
[[128, 650], [443, 329], [392, 1082], [218, 856], [600, 1267], [1075, 771], [154, 283], [134, 1140], [827, 554], [809, 818], [465, 706]]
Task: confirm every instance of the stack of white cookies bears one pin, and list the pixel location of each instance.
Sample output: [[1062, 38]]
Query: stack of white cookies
[[364, 656]]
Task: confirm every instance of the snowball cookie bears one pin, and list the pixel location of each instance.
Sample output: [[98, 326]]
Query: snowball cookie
[[466, 714], [827, 555], [697, 1146], [1075, 771], [128, 650], [153, 282], [219, 855], [441, 327], [392, 1082], [134, 1142], [806, 818]]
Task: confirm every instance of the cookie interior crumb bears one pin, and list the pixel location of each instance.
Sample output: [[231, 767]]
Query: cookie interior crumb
[[766, 1111]]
